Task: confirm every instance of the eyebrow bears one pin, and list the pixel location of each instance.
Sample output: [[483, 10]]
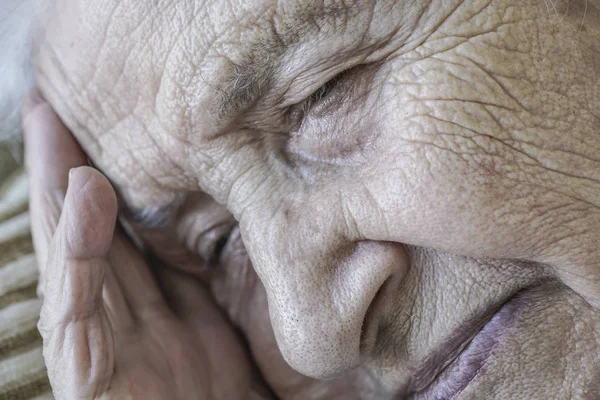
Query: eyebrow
[[252, 77], [245, 85]]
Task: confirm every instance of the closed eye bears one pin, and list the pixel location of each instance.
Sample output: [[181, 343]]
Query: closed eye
[[326, 97], [151, 217], [212, 244], [322, 92], [319, 96]]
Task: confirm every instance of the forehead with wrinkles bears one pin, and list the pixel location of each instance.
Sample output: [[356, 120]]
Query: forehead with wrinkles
[[130, 78], [228, 52], [186, 68]]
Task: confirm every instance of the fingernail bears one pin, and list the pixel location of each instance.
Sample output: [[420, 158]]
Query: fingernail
[[70, 174]]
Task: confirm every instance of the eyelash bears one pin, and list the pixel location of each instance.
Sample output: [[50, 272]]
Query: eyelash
[[323, 92], [152, 217], [215, 239], [300, 110], [216, 245]]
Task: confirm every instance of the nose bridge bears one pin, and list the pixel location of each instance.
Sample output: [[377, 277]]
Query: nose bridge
[[319, 286]]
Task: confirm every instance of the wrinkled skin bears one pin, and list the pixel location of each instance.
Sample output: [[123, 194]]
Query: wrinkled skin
[[452, 165], [116, 325]]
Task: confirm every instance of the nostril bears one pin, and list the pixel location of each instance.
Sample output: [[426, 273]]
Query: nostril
[[370, 322]]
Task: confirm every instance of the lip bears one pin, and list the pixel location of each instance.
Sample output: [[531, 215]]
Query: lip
[[465, 361]]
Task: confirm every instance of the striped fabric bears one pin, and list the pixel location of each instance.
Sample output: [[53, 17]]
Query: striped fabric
[[22, 370]]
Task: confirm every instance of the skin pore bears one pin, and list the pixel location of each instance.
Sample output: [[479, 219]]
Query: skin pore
[[403, 194]]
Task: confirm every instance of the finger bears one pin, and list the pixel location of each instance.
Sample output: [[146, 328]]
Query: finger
[[132, 284], [78, 341], [50, 151], [185, 293], [117, 307]]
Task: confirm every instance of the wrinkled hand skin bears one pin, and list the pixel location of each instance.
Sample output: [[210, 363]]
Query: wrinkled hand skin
[[452, 162], [116, 324]]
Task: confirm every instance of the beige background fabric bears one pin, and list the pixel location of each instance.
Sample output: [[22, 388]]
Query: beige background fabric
[[22, 370]]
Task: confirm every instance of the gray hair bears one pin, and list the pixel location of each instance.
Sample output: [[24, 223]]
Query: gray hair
[[17, 22]]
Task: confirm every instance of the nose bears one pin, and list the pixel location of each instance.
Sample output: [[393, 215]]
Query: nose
[[319, 290]]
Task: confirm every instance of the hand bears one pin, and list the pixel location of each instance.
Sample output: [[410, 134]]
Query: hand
[[109, 329]]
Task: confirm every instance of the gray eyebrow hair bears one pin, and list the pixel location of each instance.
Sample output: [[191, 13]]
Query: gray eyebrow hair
[[246, 84], [252, 77]]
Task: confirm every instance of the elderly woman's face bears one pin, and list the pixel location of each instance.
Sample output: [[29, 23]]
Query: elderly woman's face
[[409, 177]]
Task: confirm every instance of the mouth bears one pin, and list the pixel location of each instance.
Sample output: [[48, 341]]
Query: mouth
[[465, 362]]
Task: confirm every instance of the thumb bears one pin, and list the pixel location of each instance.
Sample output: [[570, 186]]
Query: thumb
[[78, 339], [50, 152]]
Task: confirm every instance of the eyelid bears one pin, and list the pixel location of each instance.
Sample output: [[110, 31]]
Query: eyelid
[[323, 91], [318, 100], [304, 86]]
